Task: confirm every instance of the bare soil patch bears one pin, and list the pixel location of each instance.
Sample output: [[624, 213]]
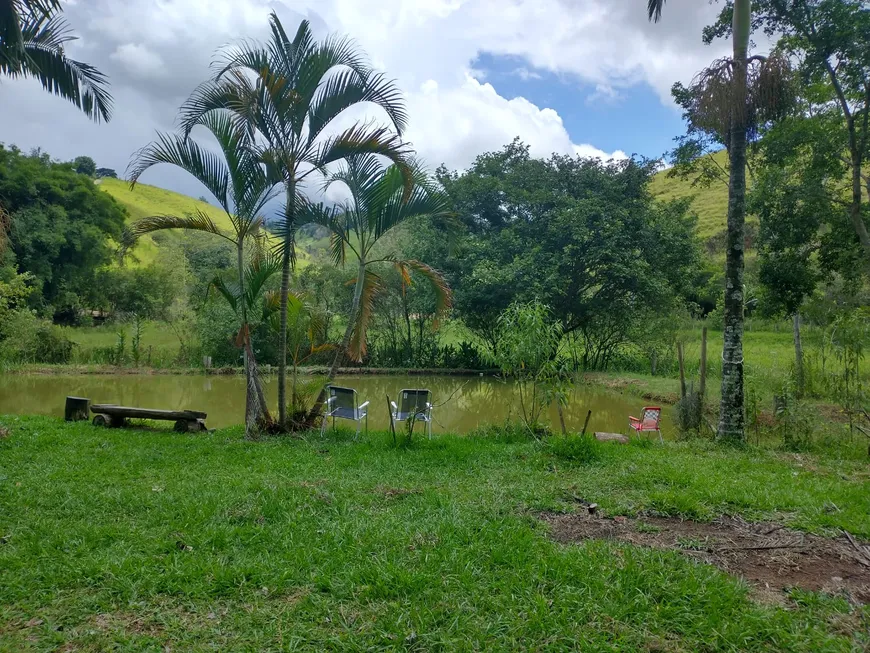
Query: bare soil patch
[[767, 555]]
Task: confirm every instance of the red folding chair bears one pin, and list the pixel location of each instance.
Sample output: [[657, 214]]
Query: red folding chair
[[648, 422]]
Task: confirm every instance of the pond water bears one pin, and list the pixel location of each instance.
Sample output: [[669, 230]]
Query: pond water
[[466, 401]]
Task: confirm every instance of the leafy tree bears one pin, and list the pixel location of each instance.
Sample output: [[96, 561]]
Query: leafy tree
[[379, 203], [105, 172], [33, 35], [529, 341], [239, 183], [290, 92], [327, 286], [582, 236], [61, 226], [84, 165]]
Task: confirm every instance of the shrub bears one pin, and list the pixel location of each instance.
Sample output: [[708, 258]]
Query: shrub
[[507, 431], [29, 339], [578, 449]]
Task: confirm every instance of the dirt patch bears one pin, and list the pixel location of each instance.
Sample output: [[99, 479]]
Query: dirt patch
[[767, 555]]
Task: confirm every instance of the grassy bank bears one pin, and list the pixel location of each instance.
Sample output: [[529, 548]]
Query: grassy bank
[[142, 539]]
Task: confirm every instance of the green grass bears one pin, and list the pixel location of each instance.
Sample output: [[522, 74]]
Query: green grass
[[144, 201], [133, 540], [710, 203]]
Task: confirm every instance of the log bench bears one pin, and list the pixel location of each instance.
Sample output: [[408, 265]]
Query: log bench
[[186, 421]]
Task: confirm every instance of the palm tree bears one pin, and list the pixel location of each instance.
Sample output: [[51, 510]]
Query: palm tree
[[378, 205], [239, 183], [32, 39], [731, 410], [288, 93]]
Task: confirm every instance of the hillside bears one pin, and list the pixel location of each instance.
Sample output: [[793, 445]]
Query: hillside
[[145, 200]]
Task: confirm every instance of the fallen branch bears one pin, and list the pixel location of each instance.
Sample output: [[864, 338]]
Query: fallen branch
[[759, 548], [864, 558]]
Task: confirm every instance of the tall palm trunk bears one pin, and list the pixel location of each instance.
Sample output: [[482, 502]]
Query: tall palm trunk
[[244, 333], [256, 408], [285, 293], [731, 413], [345, 341]]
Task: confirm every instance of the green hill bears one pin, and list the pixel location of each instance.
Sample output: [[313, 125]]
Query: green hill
[[145, 200], [710, 203]]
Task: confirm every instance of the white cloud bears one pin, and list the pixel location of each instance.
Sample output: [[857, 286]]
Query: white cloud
[[525, 74], [139, 61], [156, 51], [453, 125]]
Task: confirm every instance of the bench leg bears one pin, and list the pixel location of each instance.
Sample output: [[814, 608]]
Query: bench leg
[[102, 419], [189, 426]]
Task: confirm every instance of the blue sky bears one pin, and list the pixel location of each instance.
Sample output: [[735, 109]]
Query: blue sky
[[635, 120]]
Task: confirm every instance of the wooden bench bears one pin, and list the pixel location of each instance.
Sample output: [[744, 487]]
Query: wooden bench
[[116, 416]]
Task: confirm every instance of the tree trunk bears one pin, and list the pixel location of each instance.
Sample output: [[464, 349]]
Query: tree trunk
[[244, 332], [345, 341], [855, 208], [731, 414], [285, 292], [798, 355]]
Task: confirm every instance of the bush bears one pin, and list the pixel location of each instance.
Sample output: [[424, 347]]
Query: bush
[[577, 449], [508, 431], [29, 339]]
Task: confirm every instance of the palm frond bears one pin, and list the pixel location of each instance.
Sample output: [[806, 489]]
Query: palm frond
[[346, 88], [439, 285], [271, 307], [371, 288], [196, 221], [41, 55], [654, 9], [257, 275], [363, 139], [206, 166], [229, 291]]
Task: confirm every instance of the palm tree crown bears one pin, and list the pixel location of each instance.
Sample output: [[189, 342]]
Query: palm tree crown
[[32, 40]]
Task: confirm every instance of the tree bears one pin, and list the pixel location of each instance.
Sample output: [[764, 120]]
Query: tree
[[61, 226], [529, 341], [84, 165], [32, 39], [105, 172], [723, 102], [379, 203], [239, 183], [582, 236], [290, 92], [830, 40]]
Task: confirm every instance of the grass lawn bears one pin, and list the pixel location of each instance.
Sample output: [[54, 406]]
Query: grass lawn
[[140, 540]]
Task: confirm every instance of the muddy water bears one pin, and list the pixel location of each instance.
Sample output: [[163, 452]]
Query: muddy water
[[465, 402]]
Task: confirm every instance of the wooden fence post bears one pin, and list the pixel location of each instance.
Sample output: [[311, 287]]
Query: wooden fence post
[[703, 385], [682, 370]]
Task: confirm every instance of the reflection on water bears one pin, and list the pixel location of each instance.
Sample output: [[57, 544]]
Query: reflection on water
[[462, 403]]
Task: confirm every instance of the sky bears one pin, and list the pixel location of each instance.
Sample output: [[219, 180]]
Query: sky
[[586, 77]]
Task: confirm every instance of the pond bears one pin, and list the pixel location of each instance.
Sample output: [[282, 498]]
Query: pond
[[462, 403]]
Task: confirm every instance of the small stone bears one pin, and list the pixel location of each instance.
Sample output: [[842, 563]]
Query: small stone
[[837, 579], [620, 519]]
